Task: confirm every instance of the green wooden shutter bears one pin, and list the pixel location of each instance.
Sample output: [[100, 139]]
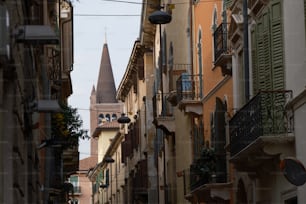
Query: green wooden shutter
[[277, 46], [266, 58], [228, 3], [261, 59], [254, 61], [267, 50]]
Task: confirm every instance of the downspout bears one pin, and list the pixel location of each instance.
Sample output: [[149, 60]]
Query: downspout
[[254, 190], [191, 10], [246, 50], [165, 174]]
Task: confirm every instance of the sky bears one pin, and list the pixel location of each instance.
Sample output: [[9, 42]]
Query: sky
[[97, 22]]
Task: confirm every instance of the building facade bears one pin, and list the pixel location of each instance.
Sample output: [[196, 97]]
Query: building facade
[[266, 62], [105, 110], [214, 93], [224, 100], [35, 77]]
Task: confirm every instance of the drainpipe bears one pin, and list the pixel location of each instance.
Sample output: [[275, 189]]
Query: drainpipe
[[254, 190], [161, 44], [246, 50]]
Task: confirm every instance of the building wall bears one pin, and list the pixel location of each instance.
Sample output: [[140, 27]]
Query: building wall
[[85, 195], [270, 185], [104, 141], [95, 110], [300, 142], [295, 50]]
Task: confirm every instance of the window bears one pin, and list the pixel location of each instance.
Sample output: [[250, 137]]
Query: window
[[74, 180], [100, 118], [114, 117], [218, 139], [267, 50], [73, 201], [198, 138], [289, 196], [107, 117], [107, 177], [291, 200]]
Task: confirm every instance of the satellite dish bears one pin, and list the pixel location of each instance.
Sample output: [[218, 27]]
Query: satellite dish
[[294, 171]]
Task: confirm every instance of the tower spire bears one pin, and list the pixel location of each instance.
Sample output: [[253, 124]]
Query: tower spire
[[106, 90]]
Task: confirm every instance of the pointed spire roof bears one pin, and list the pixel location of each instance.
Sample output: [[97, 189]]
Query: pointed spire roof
[[106, 90]]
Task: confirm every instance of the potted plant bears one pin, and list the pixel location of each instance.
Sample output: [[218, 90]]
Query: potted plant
[[204, 168]]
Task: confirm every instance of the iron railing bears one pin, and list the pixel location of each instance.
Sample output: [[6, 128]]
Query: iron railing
[[189, 87], [220, 40], [159, 109], [175, 71], [263, 115], [77, 189]]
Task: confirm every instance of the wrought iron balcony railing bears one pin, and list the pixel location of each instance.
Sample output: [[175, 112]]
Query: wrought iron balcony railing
[[220, 40], [161, 109], [263, 115], [223, 57], [189, 87], [77, 189]]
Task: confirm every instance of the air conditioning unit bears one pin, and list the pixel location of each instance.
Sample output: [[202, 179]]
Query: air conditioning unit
[[4, 33], [36, 34]]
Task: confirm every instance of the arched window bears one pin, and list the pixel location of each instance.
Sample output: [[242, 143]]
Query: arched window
[[215, 20], [241, 194], [107, 117], [74, 201], [114, 117], [100, 118], [218, 139]]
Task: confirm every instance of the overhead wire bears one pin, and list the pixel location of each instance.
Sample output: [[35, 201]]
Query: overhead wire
[[137, 3], [111, 15]]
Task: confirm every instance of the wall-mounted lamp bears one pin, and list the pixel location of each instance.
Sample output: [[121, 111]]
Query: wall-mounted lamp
[[49, 143], [103, 186], [160, 17], [124, 119], [108, 159]]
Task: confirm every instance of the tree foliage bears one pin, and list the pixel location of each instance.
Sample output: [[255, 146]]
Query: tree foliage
[[67, 127]]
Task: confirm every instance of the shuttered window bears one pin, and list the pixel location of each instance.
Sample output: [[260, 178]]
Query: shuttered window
[[267, 50], [228, 3]]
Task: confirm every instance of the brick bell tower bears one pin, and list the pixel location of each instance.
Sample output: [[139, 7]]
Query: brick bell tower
[[104, 106]]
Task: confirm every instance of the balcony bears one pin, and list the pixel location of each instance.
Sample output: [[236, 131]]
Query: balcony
[[223, 56], [189, 93], [201, 183], [261, 129], [175, 71], [76, 189], [163, 113]]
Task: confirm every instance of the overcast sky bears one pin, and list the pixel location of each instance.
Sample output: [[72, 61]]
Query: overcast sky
[[97, 21]]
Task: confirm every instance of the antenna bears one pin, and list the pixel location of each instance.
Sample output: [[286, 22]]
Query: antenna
[[105, 35]]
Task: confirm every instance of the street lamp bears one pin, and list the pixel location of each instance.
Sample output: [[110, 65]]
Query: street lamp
[[108, 159], [123, 119], [160, 17]]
